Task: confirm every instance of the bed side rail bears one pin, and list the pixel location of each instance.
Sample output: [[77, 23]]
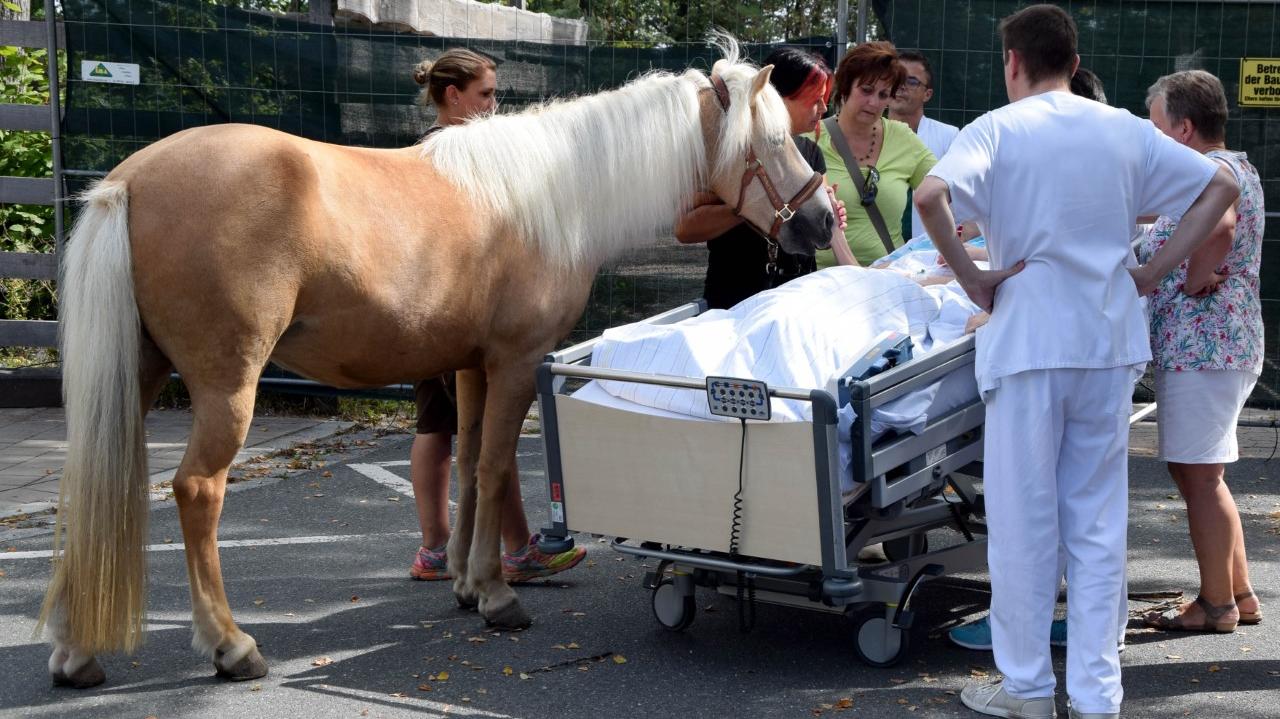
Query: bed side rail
[[909, 376]]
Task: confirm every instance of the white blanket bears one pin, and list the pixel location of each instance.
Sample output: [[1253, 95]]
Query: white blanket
[[802, 334]]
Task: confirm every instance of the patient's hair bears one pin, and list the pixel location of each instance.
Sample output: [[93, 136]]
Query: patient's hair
[[1086, 84], [1044, 37]]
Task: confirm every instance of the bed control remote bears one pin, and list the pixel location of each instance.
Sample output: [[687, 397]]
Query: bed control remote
[[742, 398]]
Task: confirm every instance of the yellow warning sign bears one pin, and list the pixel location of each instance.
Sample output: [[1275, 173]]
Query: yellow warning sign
[[1260, 82]]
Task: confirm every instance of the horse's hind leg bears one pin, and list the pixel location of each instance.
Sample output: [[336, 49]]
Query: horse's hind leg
[[222, 418]]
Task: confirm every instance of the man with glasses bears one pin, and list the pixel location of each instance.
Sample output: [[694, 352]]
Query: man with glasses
[[908, 106]]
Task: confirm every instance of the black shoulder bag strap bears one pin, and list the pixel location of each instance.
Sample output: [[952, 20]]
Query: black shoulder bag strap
[[855, 171]]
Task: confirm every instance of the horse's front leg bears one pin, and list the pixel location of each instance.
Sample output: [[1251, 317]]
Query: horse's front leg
[[510, 392], [471, 392]]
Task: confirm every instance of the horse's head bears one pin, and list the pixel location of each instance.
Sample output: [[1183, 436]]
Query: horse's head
[[756, 167]]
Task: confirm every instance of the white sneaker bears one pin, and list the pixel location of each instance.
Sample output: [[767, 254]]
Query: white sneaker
[[991, 699]]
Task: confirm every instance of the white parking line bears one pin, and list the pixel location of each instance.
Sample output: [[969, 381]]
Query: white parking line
[[377, 473], [384, 477], [233, 543]]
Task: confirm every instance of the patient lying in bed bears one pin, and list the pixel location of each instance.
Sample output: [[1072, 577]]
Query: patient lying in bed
[[803, 334]]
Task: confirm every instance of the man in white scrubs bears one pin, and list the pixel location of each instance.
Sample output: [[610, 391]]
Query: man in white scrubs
[[908, 106], [1055, 182]]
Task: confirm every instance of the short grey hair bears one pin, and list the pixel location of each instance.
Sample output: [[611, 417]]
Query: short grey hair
[[1193, 95]]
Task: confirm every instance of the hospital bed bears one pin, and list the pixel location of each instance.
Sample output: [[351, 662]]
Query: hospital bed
[[758, 509]]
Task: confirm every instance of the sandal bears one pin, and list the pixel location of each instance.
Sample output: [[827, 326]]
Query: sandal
[[1172, 620], [1249, 618]]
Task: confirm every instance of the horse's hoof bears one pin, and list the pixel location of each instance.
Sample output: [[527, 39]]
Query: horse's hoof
[[251, 666], [468, 603], [510, 616], [89, 675]]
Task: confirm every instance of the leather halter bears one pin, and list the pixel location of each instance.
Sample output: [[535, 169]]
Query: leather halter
[[782, 211]]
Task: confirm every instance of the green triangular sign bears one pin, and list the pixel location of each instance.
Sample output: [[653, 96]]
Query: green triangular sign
[[100, 71]]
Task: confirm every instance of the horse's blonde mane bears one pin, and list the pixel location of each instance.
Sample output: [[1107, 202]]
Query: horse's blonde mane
[[587, 178]]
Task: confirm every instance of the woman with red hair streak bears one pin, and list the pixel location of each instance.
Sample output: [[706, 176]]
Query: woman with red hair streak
[[739, 265]]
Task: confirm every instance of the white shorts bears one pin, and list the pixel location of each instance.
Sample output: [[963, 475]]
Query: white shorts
[[1197, 411]]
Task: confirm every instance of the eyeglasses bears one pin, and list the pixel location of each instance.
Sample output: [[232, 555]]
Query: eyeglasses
[[870, 187], [913, 82]]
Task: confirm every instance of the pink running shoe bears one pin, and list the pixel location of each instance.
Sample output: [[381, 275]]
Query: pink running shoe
[[430, 564], [532, 563]]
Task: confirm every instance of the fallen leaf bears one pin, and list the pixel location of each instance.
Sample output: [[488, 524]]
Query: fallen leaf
[[442, 677], [574, 645], [578, 614], [255, 688], [619, 659], [355, 598], [524, 676], [321, 662], [1173, 656], [559, 646], [400, 695], [259, 601], [424, 687], [326, 473], [897, 681], [508, 671], [1215, 668], [1246, 649], [844, 703], [393, 499], [903, 701], [477, 640], [1193, 680]]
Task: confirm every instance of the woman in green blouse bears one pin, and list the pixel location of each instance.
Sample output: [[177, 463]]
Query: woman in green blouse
[[890, 156]]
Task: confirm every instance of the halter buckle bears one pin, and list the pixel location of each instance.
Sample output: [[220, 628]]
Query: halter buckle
[[784, 213]]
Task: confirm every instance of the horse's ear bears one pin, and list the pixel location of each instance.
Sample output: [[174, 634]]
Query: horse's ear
[[761, 79]]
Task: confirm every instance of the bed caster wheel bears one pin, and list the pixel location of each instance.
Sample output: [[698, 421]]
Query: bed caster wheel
[[904, 548], [878, 642], [672, 608]]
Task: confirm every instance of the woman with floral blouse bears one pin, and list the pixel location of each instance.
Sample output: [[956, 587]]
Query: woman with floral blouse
[[1206, 342]]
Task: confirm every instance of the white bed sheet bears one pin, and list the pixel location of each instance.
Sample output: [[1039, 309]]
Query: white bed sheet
[[803, 334]]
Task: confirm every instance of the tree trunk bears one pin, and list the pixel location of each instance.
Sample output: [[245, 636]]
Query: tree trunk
[[22, 13]]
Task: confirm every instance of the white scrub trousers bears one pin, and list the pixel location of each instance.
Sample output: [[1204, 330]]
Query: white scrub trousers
[[1056, 469]]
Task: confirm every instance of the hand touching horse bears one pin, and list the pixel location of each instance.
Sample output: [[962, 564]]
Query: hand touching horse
[[222, 248]]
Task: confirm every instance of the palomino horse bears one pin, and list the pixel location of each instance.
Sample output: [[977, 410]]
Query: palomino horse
[[221, 248]]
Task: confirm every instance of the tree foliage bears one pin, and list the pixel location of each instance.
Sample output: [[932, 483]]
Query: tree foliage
[[656, 22]]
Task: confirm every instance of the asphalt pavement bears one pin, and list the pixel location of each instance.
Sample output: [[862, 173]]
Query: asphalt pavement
[[316, 565]]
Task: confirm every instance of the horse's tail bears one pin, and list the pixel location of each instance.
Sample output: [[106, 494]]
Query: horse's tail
[[97, 597]]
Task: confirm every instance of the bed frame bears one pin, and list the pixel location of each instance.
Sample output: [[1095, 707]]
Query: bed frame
[[665, 489]]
